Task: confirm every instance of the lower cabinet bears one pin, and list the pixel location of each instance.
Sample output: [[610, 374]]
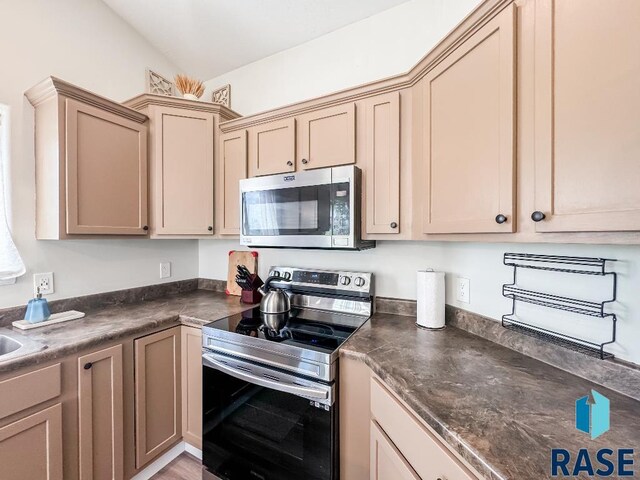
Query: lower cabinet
[[31, 448], [192, 386], [400, 442], [381, 438], [387, 463], [100, 415], [158, 402]]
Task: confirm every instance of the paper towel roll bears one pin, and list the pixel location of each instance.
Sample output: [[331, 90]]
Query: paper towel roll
[[430, 299]]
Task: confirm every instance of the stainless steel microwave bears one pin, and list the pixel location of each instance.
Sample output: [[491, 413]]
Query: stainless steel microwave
[[312, 209]]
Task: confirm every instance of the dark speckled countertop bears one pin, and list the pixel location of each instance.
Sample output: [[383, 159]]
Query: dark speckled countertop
[[119, 321], [501, 410]]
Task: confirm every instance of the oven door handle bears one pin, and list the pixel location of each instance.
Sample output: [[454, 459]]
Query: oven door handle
[[298, 390]]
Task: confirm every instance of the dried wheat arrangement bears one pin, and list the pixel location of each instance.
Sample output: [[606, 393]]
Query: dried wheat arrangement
[[189, 86]]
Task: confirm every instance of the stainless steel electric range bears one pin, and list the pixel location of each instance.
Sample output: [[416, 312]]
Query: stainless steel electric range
[[270, 402]]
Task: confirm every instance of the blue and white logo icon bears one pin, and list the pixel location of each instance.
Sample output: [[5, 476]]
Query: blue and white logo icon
[[592, 414]]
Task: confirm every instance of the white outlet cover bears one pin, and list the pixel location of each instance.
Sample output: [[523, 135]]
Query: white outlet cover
[[165, 269], [45, 282], [463, 292]]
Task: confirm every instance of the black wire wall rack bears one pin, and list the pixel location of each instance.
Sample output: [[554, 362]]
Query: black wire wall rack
[[563, 264]]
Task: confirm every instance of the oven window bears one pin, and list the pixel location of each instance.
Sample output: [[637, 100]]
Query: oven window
[[251, 432], [287, 211]]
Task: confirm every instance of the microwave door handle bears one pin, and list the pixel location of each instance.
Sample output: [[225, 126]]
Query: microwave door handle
[[265, 382]]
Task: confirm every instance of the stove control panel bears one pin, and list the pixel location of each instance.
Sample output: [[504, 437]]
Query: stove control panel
[[360, 283]]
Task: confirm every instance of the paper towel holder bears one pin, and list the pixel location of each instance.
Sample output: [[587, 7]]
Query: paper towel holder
[[424, 327]]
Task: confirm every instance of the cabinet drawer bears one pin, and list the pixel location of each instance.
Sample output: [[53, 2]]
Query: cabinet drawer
[[425, 453], [25, 391]]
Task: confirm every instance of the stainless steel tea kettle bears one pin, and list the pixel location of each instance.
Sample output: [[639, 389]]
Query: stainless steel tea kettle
[[275, 300]]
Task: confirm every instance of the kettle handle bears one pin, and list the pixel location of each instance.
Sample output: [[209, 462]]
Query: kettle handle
[[267, 284]]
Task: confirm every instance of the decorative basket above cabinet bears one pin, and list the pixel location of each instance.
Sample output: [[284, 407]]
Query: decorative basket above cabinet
[[91, 164]]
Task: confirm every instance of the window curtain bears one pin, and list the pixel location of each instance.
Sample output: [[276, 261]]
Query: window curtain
[[11, 264]]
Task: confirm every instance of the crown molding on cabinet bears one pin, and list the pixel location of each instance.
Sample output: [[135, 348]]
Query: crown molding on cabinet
[[51, 86], [467, 27], [144, 100]]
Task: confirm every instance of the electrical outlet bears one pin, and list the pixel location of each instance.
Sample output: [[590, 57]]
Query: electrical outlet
[[464, 290], [44, 282], [165, 269]]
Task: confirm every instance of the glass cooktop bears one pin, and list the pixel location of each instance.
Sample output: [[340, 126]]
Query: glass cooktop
[[313, 329]]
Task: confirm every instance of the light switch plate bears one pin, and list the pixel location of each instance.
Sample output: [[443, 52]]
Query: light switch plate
[[165, 269], [463, 291]]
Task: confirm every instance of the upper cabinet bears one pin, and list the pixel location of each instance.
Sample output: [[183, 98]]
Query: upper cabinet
[[181, 171], [327, 137], [232, 169], [91, 164], [587, 112], [381, 165], [182, 162], [272, 148], [469, 131]]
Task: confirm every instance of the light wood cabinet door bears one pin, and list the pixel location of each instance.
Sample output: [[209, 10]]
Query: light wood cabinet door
[[106, 172], [182, 172], [387, 463], [382, 163], [158, 404], [192, 386], [233, 168], [328, 137], [272, 148], [100, 415], [587, 115], [31, 448], [469, 126]]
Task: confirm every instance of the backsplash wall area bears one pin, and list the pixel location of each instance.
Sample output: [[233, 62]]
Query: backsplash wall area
[[84, 42], [395, 264]]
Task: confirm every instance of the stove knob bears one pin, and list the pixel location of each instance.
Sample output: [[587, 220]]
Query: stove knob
[[345, 280], [275, 273], [360, 281], [287, 275]]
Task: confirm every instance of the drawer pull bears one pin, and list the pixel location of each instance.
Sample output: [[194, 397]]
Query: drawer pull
[[290, 163], [88, 365], [393, 225], [500, 218], [305, 161], [538, 216]]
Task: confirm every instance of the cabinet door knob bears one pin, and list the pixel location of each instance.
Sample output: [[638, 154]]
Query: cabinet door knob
[[538, 216], [305, 161], [145, 228], [88, 365], [290, 163], [210, 228], [500, 218], [393, 225]]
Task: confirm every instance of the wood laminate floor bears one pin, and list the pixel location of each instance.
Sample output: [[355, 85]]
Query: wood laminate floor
[[185, 467]]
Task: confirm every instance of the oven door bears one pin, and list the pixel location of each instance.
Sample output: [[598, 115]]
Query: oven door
[[259, 423], [307, 209]]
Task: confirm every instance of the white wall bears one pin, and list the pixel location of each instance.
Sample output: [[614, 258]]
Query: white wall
[[380, 46], [84, 42], [389, 43]]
